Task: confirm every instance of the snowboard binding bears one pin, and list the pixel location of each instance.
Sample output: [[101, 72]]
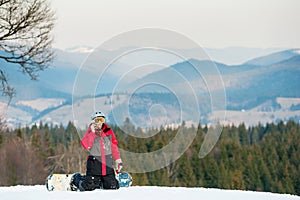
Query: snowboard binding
[[125, 180]]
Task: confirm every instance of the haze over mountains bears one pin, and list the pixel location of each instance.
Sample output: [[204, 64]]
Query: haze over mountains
[[262, 89]]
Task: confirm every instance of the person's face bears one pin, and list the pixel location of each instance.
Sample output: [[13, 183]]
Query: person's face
[[99, 121]]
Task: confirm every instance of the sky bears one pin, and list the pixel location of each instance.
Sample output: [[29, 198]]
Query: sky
[[210, 23]]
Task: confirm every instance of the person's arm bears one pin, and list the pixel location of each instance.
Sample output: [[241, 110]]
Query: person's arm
[[114, 147], [88, 138], [116, 153]]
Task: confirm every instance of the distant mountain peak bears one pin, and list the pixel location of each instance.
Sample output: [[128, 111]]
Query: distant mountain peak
[[274, 57], [80, 49], [297, 51], [194, 61]]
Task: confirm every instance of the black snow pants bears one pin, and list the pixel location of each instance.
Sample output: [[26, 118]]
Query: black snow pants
[[94, 178]]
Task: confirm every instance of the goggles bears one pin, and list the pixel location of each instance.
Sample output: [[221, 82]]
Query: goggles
[[99, 120]]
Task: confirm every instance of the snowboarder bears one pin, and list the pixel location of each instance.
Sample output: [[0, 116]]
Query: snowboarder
[[102, 145]]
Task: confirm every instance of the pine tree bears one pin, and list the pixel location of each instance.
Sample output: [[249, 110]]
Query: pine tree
[[254, 136], [50, 149], [19, 133], [237, 181], [140, 179], [185, 173], [297, 183], [35, 139], [224, 177], [243, 134], [211, 174]]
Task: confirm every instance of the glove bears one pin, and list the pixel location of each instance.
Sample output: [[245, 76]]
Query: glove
[[118, 165], [92, 125]]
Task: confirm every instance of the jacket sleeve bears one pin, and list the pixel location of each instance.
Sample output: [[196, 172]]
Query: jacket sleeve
[[114, 147], [88, 139]]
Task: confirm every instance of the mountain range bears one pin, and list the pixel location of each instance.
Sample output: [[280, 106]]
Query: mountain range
[[156, 94]]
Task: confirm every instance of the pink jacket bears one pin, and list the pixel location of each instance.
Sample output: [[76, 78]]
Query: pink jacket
[[88, 140]]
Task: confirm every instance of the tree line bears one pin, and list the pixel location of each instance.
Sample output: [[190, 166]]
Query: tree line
[[259, 158]]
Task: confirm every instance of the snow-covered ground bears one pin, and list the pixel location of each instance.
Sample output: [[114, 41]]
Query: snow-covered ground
[[39, 192], [42, 103]]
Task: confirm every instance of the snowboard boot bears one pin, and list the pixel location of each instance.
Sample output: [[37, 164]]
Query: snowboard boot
[[81, 186], [89, 183], [76, 178]]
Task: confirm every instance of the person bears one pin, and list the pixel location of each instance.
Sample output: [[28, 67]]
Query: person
[[104, 156]]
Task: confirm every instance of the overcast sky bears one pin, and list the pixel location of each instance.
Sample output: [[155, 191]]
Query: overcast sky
[[210, 23]]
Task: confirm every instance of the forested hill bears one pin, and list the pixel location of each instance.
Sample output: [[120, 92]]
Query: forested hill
[[260, 158]]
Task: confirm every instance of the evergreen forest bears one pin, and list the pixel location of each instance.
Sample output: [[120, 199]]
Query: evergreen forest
[[260, 158]]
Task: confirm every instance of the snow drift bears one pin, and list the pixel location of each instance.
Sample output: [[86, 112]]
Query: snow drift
[[138, 192]]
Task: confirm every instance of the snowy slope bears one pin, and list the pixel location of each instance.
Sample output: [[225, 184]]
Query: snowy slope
[[138, 193]]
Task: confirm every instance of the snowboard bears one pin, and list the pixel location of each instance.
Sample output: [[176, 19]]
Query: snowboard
[[65, 182]]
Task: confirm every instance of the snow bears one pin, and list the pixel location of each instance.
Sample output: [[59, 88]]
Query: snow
[[42, 103], [39, 192], [80, 49], [297, 51], [286, 103]]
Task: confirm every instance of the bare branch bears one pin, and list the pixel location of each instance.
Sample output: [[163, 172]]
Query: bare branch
[[25, 37], [5, 88]]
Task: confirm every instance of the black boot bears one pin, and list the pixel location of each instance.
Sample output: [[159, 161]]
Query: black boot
[[88, 184], [76, 178]]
